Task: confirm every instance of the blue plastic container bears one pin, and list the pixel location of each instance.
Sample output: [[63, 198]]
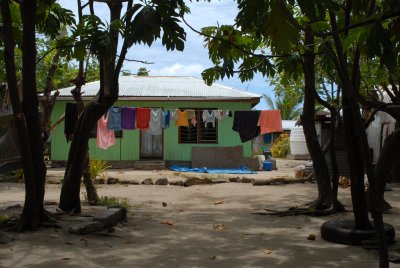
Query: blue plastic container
[[267, 165]]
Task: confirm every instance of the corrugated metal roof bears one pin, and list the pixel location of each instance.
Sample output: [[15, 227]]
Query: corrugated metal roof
[[165, 87]]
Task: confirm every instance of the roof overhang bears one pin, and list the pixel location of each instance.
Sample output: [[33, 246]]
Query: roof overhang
[[254, 100]]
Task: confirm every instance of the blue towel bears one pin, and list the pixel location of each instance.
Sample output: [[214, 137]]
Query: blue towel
[[114, 118]]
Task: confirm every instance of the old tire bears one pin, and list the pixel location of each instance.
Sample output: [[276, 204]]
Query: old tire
[[343, 232]]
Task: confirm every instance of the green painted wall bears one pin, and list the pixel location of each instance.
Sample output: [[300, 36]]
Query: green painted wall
[[127, 148]]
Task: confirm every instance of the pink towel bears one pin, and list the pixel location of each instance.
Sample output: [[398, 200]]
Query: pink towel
[[105, 136], [270, 121]]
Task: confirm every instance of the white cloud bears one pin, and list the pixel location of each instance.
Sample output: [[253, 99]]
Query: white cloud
[[178, 69]]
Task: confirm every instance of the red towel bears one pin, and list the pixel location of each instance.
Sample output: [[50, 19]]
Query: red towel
[[270, 121], [142, 118]]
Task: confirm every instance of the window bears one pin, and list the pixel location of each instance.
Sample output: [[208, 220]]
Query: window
[[199, 133], [93, 133]]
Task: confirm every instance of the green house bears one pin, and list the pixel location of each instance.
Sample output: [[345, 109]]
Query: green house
[[176, 144]]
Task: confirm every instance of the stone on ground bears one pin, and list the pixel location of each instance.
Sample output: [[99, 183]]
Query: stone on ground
[[161, 181], [111, 216], [86, 228], [247, 180], [195, 181], [148, 181], [219, 180]]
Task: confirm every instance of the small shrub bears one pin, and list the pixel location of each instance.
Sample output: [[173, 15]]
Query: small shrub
[[19, 175], [281, 147], [98, 168], [112, 201]]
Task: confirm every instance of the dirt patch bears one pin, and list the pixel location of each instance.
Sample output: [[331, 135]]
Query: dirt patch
[[198, 226]]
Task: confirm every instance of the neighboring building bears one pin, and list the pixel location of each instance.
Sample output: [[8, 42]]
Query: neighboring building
[[266, 140], [10, 159], [176, 143], [381, 127]]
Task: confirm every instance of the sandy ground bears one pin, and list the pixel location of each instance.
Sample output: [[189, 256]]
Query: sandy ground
[[285, 169], [205, 234]]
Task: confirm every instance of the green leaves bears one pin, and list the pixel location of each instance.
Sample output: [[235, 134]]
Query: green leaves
[[282, 33], [51, 17], [156, 18], [273, 20]]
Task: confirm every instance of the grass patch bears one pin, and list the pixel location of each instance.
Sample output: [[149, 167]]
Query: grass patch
[[112, 201]]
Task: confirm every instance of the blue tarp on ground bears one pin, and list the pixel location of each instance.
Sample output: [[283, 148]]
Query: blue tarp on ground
[[241, 170]]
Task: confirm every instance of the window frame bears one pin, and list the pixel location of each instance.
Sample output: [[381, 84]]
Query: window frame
[[199, 126]]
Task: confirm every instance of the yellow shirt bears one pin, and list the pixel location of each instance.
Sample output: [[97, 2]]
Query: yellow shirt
[[182, 119]]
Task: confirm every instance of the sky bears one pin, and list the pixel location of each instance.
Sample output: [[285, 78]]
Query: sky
[[194, 59]]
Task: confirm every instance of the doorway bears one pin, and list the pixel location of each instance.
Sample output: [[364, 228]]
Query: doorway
[[151, 146]]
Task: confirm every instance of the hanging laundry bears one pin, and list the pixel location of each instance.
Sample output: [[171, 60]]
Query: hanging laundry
[[191, 115], [165, 120], [182, 120], [246, 123], [155, 125], [71, 116], [128, 118], [208, 117], [173, 114], [105, 137], [114, 118], [228, 113], [219, 114], [142, 118], [270, 121]]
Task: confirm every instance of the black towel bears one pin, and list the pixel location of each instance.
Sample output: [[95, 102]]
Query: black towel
[[246, 123], [71, 116]]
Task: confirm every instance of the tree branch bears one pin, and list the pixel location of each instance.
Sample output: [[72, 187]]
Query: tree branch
[[140, 61], [232, 44], [49, 51], [389, 15]]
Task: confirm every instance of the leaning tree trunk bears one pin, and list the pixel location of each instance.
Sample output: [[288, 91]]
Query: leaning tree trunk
[[321, 173], [108, 94], [69, 198], [91, 192], [48, 101], [80, 80]]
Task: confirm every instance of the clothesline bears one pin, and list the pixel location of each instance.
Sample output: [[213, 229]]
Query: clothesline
[[249, 124]]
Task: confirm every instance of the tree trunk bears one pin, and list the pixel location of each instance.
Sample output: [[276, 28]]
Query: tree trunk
[[69, 198], [30, 102], [87, 177], [108, 94], [33, 207], [386, 168], [91, 191], [356, 165], [355, 135], [80, 80], [321, 173], [335, 170], [48, 100]]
